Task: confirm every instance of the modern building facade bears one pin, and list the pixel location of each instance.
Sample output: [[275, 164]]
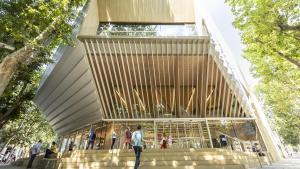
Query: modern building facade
[[155, 63]]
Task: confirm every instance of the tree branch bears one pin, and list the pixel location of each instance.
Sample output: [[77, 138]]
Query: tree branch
[[289, 59], [293, 61], [286, 27]]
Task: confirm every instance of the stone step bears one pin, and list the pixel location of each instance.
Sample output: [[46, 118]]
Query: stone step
[[151, 163], [158, 158], [155, 154], [98, 157], [156, 150], [148, 158], [169, 167], [118, 151]]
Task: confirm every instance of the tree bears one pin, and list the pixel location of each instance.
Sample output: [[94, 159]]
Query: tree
[[270, 31], [269, 28], [34, 28], [27, 129]]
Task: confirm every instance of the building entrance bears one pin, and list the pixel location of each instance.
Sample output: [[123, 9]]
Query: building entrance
[[179, 134], [183, 134], [186, 133]]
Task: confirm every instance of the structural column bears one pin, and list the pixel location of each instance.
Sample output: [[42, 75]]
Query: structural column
[[155, 134], [209, 135]]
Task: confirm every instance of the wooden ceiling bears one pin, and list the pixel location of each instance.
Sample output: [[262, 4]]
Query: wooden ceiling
[[136, 79]]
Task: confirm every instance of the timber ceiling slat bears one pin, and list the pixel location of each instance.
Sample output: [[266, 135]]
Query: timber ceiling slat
[[121, 90], [112, 77], [107, 77], [139, 92], [135, 77], [140, 78], [199, 74], [102, 101], [101, 88], [211, 89], [169, 78], [227, 100], [105, 81], [164, 82], [130, 87], [223, 98], [144, 75], [216, 105], [125, 95], [203, 81]]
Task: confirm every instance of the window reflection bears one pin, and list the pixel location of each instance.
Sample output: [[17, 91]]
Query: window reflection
[[113, 29]]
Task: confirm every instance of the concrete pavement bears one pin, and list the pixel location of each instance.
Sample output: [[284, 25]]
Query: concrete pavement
[[293, 163]]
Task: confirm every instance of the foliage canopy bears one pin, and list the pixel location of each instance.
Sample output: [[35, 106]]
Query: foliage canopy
[[271, 32], [24, 23], [27, 129]]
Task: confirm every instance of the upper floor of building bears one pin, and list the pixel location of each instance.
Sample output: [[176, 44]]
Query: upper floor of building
[[142, 18]]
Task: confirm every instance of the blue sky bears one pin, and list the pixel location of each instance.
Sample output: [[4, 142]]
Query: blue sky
[[222, 17]]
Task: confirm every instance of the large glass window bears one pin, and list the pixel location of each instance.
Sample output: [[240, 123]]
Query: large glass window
[[113, 29]]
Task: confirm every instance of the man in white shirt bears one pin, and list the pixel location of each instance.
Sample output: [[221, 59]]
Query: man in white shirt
[[35, 150], [137, 139]]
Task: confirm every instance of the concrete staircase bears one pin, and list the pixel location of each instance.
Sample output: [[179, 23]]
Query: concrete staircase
[[160, 159]]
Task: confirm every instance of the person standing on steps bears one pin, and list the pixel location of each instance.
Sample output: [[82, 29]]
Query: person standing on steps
[[164, 142], [113, 139], [71, 146], [127, 140], [137, 143], [35, 150], [92, 138]]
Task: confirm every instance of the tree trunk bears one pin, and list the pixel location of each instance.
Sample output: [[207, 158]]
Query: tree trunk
[[9, 64]]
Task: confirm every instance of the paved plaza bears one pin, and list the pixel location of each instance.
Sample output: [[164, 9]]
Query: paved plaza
[[285, 164]]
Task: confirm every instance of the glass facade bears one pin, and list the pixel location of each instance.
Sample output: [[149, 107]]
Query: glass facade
[[146, 30]]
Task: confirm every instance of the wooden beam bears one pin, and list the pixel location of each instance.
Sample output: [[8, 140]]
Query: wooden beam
[[145, 80], [130, 84], [127, 93], [177, 85], [190, 100], [107, 83], [121, 77], [104, 90], [95, 79]]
